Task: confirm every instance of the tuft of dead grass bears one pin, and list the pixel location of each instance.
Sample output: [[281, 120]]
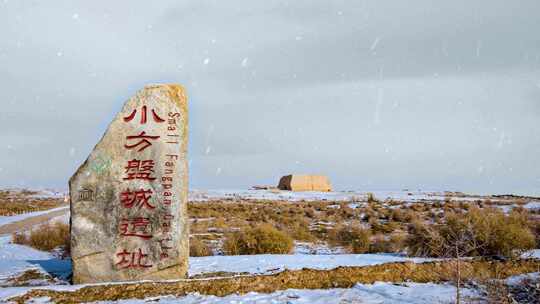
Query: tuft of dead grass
[[492, 232], [259, 240], [198, 248], [46, 237], [31, 277], [14, 202]]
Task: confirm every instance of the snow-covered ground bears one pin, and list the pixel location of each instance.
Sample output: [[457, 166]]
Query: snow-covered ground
[[48, 193], [15, 218], [410, 196], [531, 206], [316, 248], [15, 259], [361, 293], [514, 280], [534, 205], [535, 253], [39, 193], [348, 196], [266, 263]]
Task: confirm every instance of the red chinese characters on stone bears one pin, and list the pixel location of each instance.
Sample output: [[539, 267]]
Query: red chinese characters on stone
[[136, 227], [135, 259], [144, 111], [136, 198], [139, 169], [143, 143]]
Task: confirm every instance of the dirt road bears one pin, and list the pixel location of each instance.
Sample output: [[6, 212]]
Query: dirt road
[[31, 221]]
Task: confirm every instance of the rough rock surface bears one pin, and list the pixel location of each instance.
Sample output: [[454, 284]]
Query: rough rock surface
[[129, 198]]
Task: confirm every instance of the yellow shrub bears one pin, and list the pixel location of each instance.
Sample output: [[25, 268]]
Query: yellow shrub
[[46, 237], [198, 248], [259, 240]]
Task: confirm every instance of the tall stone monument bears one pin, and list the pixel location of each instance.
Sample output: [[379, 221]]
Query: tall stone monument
[[129, 198]]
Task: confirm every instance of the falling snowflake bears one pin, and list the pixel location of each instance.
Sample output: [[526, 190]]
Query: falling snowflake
[[206, 61], [375, 43], [245, 62], [75, 16]]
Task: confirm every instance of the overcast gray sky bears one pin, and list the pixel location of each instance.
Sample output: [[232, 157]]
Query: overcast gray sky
[[436, 95]]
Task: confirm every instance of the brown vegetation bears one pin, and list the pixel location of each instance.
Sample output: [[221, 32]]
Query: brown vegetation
[[259, 240], [342, 277], [387, 222], [18, 202], [32, 277], [198, 248], [482, 232], [46, 237]]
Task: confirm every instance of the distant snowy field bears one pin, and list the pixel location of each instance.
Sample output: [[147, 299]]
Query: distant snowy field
[[4, 220], [347, 196], [411, 196], [404, 196], [344, 196]]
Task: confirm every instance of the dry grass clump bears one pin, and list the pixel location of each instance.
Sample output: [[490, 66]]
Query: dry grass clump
[[355, 238], [364, 240], [394, 243], [31, 277], [535, 227], [300, 231], [46, 237], [198, 248], [18, 205], [259, 240], [482, 232]]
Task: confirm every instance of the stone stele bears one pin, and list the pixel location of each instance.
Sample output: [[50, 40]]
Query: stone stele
[[129, 198]]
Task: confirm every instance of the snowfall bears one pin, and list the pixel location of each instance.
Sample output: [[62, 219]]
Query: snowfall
[[15, 259]]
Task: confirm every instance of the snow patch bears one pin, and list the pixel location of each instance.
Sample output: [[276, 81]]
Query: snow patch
[[4, 220], [269, 263]]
